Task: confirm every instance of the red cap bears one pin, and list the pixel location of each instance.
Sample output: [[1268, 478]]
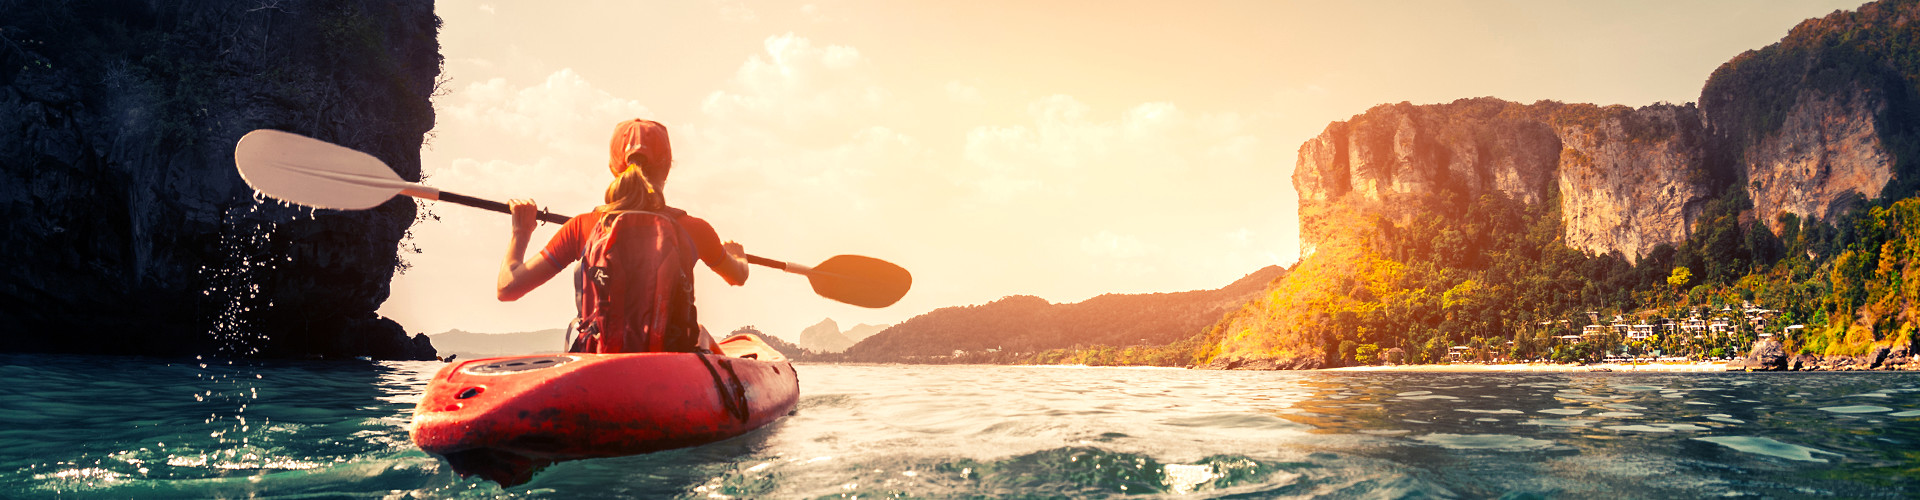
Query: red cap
[[649, 139]]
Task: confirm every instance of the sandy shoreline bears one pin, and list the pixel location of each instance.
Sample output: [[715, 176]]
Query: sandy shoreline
[[1546, 367]]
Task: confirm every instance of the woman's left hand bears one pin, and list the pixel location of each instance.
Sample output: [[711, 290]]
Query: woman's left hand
[[525, 215]]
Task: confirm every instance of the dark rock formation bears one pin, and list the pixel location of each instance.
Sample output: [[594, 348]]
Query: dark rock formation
[[1900, 358], [130, 229], [1804, 362], [1767, 355]]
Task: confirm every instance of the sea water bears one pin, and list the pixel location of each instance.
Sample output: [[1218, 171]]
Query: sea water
[[111, 427]]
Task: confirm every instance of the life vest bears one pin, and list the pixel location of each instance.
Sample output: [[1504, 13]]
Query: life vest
[[634, 286]]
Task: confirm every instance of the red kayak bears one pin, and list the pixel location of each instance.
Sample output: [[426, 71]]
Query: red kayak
[[504, 418]]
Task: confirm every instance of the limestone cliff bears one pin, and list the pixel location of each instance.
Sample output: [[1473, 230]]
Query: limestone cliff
[[1625, 179], [1827, 153], [1807, 126], [130, 231]]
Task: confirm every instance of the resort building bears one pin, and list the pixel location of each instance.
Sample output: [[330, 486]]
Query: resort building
[[1693, 327]]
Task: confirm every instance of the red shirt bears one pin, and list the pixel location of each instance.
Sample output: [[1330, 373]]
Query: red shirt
[[565, 247]]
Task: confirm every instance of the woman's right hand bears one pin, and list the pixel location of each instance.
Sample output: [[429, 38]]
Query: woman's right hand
[[525, 215]]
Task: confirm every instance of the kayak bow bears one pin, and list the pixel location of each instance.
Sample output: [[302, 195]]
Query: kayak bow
[[504, 418]]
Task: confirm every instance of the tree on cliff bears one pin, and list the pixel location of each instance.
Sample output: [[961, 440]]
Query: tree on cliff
[[1679, 279]]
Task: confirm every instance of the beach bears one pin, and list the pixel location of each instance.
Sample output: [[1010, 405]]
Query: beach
[[1665, 367]]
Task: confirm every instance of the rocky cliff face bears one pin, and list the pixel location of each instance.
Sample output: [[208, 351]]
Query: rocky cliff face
[[1807, 126], [1827, 152], [1629, 179], [1624, 179], [130, 231]]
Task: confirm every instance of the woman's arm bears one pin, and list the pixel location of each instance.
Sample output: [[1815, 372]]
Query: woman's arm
[[733, 267], [517, 277], [725, 259]]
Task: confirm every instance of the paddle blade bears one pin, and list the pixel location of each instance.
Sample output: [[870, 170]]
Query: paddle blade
[[315, 173], [861, 281]]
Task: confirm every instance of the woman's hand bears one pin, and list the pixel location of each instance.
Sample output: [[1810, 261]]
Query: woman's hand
[[736, 275], [525, 215], [517, 276]]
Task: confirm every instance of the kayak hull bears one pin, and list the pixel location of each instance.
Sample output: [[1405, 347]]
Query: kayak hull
[[504, 418]]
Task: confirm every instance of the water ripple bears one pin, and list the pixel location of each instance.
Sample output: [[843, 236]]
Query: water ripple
[[204, 429]]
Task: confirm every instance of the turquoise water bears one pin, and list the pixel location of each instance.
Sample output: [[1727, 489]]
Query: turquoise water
[[102, 427]]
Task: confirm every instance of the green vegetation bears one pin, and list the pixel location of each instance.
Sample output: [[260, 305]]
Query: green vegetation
[[1422, 287]]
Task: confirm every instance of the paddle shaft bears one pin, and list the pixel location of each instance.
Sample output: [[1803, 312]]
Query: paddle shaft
[[546, 216], [315, 173]]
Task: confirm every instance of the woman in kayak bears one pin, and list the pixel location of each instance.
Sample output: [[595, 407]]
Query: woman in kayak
[[642, 159]]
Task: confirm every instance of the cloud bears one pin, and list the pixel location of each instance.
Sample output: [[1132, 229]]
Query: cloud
[[1240, 236], [487, 9], [813, 12], [797, 88], [1067, 152], [964, 94], [1109, 245], [735, 11], [560, 113]]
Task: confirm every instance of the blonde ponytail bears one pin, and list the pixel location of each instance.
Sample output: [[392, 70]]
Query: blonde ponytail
[[631, 191]]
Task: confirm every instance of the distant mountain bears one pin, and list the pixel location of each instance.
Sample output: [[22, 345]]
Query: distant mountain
[[862, 331], [826, 337], [1018, 326], [485, 345]]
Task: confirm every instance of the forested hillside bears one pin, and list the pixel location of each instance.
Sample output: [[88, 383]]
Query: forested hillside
[[1017, 328]]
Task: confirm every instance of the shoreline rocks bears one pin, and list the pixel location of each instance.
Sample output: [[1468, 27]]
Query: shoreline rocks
[[1262, 364], [1770, 356]]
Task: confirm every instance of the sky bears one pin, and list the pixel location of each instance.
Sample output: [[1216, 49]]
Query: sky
[[1060, 149]]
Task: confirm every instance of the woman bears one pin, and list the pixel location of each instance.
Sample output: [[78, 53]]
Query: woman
[[642, 146]]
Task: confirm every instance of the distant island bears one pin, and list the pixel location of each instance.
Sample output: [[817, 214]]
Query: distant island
[[825, 337], [1025, 329]]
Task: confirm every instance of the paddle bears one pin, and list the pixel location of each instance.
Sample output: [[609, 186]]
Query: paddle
[[319, 174]]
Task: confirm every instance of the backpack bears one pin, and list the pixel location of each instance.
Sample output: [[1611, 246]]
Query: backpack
[[634, 287]]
